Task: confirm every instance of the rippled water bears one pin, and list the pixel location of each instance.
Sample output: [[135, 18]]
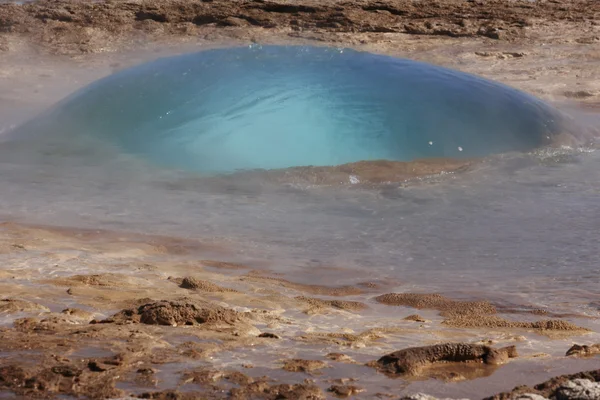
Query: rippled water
[[519, 227], [282, 106]]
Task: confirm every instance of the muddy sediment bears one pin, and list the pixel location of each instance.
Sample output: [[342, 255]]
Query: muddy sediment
[[78, 344], [473, 314]]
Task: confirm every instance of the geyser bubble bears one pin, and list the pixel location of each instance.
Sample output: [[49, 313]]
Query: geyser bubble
[[281, 106]]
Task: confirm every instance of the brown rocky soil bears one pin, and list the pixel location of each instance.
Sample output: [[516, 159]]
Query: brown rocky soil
[[72, 26]]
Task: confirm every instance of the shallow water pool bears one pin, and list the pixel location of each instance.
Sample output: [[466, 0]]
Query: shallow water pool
[[520, 227]]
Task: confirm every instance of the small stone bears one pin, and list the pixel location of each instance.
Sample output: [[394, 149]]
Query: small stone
[[299, 365], [423, 396], [146, 371], [345, 390], [269, 335], [415, 317], [339, 357], [529, 396], [419, 396], [584, 350]]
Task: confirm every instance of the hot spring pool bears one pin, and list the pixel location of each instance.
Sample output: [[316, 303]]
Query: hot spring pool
[[267, 107], [130, 152]]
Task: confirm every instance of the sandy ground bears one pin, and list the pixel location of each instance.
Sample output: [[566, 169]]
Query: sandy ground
[[104, 314]]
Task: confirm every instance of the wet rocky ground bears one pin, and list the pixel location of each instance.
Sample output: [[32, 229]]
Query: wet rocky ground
[[110, 315]]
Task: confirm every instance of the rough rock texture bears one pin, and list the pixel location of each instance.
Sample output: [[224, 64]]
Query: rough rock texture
[[529, 396], [345, 390], [61, 378], [415, 317], [202, 285], [300, 365], [578, 389], [584, 350], [183, 312], [67, 26], [413, 360], [550, 388]]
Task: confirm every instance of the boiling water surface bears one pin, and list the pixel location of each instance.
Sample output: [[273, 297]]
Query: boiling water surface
[[520, 227]]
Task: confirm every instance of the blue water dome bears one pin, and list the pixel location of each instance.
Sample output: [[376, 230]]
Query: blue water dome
[[267, 107]]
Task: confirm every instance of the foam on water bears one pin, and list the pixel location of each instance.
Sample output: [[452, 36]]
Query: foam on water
[[280, 106]]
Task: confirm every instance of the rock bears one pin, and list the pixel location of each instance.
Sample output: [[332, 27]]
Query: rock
[[423, 396], [197, 284], [415, 317], [584, 350], [339, 357], [182, 312], [419, 396], [554, 388], [345, 390], [578, 389], [300, 365], [269, 335], [529, 396], [411, 361]]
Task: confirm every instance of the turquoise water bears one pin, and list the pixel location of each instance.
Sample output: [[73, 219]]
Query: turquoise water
[[281, 106]]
